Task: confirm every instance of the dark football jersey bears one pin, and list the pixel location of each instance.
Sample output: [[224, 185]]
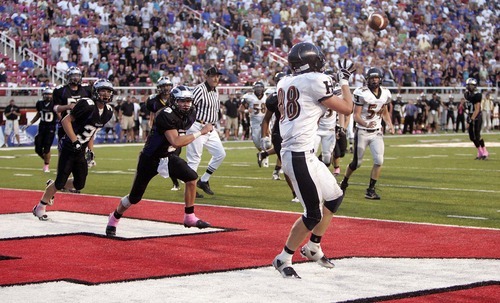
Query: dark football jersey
[[48, 117], [88, 121], [272, 105], [154, 103], [64, 95], [157, 144], [472, 98]]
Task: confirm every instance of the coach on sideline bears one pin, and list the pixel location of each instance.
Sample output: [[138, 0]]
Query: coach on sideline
[[207, 104]]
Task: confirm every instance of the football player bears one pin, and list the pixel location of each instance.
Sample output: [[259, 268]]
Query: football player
[[371, 104], [256, 102], [85, 119], [302, 99], [66, 96], [272, 109], [474, 117], [160, 100], [397, 109], [162, 143], [47, 127]]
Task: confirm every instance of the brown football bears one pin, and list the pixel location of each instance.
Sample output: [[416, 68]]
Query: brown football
[[378, 21]]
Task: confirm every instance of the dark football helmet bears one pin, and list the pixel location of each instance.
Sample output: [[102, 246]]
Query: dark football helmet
[[164, 85], [399, 97], [181, 100], [98, 88], [74, 76], [258, 88], [305, 57], [374, 78], [471, 84], [278, 77], [47, 94]]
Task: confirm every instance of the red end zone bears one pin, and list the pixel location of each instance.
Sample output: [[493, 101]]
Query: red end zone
[[92, 258]]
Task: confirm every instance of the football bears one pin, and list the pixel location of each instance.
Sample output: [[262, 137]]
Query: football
[[378, 21]]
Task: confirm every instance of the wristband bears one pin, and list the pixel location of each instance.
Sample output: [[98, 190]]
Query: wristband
[[197, 134], [344, 82]]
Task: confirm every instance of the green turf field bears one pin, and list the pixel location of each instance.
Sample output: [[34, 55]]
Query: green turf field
[[431, 178]]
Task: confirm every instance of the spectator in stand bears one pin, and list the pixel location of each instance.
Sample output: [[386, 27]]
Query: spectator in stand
[[3, 74]]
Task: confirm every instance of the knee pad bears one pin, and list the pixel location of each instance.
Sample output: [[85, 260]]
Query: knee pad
[[312, 220], [353, 166], [378, 161], [333, 205]]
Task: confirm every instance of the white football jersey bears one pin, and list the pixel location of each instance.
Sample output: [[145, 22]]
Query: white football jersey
[[328, 121], [300, 105], [372, 105], [257, 108]]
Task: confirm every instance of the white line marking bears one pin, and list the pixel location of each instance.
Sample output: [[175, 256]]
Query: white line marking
[[467, 217], [234, 186]]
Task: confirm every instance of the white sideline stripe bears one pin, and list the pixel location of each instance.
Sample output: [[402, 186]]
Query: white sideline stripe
[[69, 223], [351, 279], [467, 217]]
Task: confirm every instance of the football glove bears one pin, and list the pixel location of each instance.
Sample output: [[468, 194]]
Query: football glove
[[77, 146], [345, 70], [265, 143], [89, 156]]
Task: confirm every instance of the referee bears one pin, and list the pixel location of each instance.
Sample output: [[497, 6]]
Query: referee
[[207, 104]]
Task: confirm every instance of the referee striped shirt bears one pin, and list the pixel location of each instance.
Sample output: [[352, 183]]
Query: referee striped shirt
[[207, 104]]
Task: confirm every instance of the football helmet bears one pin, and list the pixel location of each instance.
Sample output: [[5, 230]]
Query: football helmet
[[305, 57], [278, 77], [74, 76], [471, 84], [181, 100], [103, 85], [371, 78], [258, 88], [47, 94], [399, 97], [164, 85]]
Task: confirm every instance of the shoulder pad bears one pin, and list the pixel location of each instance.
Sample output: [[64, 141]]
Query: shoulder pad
[[84, 84], [109, 107], [59, 86], [152, 96]]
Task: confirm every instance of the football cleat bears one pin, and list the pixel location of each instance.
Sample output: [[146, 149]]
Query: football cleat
[[286, 270], [317, 256], [175, 188], [336, 171], [46, 168], [295, 200], [110, 231], [343, 185], [41, 215], [276, 176], [265, 162], [371, 194], [199, 196], [204, 186], [192, 221], [259, 159]]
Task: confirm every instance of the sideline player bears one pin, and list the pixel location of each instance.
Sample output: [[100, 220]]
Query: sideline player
[[475, 117], [46, 128], [85, 120], [162, 143], [371, 104], [303, 98], [256, 102]]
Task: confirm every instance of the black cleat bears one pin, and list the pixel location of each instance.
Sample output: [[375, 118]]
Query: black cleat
[[259, 159], [44, 217], [199, 196], [371, 194], [285, 270], [343, 185], [205, 187], [110, 231]]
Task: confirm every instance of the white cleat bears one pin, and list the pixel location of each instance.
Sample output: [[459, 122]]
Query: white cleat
[[285, 269], [317, 256]]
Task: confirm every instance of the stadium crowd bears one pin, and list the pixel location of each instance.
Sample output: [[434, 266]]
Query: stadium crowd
[[133, 42]]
